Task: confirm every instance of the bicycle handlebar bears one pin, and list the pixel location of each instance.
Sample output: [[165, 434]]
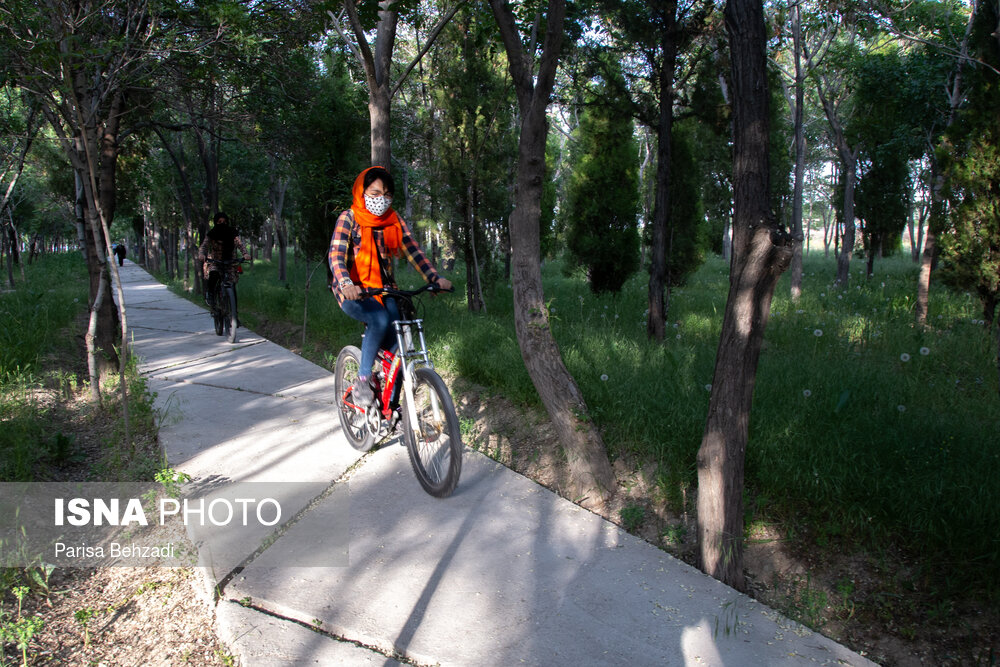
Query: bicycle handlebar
[[226, 261], [433, 288]]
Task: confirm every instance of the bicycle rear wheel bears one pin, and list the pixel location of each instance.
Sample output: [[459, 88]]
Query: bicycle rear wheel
[[229, 313], [353, 418], [435, 440]]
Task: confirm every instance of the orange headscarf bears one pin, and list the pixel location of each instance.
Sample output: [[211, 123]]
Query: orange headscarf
[[365, 270]]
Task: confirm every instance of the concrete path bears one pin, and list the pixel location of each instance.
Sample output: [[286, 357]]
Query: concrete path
[[503, 572]]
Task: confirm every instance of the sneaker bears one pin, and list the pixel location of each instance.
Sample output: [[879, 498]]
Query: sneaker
[[362, 392]]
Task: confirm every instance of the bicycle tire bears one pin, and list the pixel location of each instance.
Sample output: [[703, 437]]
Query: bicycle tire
[[435, 441], [230, 322], [217, 319], [353, 421]]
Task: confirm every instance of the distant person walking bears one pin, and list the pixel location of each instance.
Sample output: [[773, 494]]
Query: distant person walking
[[120, 252]]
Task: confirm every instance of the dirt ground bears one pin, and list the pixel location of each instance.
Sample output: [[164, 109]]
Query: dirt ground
[[112, 616]]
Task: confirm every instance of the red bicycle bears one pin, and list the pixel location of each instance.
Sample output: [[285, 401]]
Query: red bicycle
[[424, 404]]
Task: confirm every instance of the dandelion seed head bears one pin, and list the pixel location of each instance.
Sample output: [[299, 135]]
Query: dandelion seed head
[[604, 377], [817, 332], [924, 351], [901, 408], [904, 357], [806, 393], [708, 387]]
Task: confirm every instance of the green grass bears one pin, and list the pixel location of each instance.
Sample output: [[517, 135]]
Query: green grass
[[849, 439], [34, 314]]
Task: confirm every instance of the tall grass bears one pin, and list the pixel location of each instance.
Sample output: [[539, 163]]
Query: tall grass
[[864, 427], [35, 312], [34, 315]]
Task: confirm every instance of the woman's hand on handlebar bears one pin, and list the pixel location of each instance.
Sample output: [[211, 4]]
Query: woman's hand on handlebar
[[351, 292], [445, 285]]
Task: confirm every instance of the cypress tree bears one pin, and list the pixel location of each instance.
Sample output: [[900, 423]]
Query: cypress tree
[[603, 197]]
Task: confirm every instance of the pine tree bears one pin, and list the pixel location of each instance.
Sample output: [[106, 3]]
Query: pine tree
[[603, 198]]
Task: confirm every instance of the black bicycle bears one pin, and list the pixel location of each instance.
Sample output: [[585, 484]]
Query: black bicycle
[[409, 390], [224, 306]]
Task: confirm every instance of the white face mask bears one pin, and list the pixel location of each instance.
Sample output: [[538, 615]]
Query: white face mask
[[377, 205]]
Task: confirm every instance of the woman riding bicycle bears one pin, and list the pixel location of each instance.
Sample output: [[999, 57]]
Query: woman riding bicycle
[[221, 243], [365, 239]]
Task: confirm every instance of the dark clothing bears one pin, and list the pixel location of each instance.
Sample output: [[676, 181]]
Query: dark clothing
[[221, 243], [120, 253]]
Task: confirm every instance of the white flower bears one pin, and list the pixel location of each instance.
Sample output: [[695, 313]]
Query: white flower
[[676, 324], [924, 351], [806, 393], [76, 301], [799, 311], [678, 336], [904, 357], [817, 332], [901, 408], [616, 316], [447, 347], [840, 296], [604, 377], [708, 387], [822, 293]]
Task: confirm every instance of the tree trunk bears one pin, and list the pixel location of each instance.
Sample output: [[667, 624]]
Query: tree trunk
[[8, 242], [591, 476], [378, 112], [930, 247], [800, 155], [847, 247], [276, 195], [656, 321], [761, 252], [474, 288]]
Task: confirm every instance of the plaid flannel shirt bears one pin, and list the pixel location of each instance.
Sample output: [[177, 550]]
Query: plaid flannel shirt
[[347, 237]]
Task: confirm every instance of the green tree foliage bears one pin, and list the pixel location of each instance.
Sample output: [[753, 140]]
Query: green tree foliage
[[329, 134], [970, 247], [603, 198], [477, 150], [688, 234]]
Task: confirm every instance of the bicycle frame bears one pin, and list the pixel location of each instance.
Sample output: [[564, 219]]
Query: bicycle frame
[[403, 362], [411, 353]]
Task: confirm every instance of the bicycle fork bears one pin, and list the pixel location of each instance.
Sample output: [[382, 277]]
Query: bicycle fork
[[410, 356]]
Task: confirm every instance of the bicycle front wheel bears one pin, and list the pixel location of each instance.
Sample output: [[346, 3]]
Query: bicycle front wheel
[[229, 313], [353, 418], [220, 328], [435, 440]]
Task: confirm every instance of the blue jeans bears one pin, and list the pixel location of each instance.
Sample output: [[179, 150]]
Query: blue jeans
[[380, 332]]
